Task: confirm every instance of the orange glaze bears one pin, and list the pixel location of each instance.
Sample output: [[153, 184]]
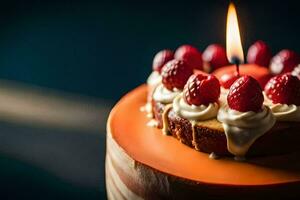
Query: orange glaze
[[261, 74], [150, 147]]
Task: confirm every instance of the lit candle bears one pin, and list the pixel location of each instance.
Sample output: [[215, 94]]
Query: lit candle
[[234, 49], [235, 55]]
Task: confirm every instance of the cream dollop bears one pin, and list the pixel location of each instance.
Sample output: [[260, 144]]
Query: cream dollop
[[243, 128], [154, 79], [296, 71], [223, 96], [163, 95], [283, 112], [192, 112]]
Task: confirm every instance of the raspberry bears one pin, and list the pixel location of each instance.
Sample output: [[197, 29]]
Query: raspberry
[[191, 55], [161, 58], [284, 89], [245, 94], [284, 61], [214, 57], [201, 89], [175, 73], [259, 53]]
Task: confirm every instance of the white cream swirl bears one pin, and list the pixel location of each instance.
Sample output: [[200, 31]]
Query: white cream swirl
[[267, 101], [163, 95], [193, 112], [284, 112], [154, 79], [223, 96], [243, 128]]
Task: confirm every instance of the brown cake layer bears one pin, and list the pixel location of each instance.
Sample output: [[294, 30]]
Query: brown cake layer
[[209, 135]]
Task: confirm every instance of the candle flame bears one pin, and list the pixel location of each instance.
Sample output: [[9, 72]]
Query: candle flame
[[234, 48]]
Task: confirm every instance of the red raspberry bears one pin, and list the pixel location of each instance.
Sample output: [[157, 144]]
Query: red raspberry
[[284, 89], [227, 80], [284, 61], [175, 73], [259, 53], [214, 57], [161, 58], [201, 89], [245, 95], [191, 55]]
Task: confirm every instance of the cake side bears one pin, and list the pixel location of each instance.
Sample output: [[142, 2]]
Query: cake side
[[209, 137]]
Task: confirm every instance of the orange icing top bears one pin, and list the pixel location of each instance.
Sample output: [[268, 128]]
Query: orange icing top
[[261, 74], [149, 146]]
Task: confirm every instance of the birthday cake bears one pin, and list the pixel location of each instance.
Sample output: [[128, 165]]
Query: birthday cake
[[201, 116], [201, 128]]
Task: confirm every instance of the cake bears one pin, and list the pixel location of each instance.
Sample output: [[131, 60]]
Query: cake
[[208, 135], [201, 128], [144, 161]]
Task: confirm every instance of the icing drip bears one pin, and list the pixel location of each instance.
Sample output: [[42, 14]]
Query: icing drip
[[193, 123], [242, 129], [165, 120]]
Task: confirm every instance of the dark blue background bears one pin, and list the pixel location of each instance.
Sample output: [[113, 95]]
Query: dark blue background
[[104, 48]]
